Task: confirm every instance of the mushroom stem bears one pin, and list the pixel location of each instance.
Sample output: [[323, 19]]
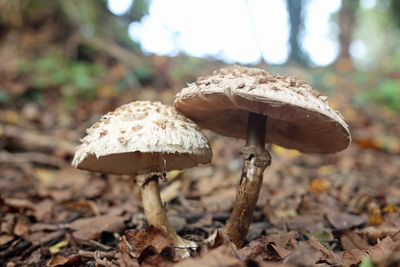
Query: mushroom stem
[[156, 216], [256, 159]]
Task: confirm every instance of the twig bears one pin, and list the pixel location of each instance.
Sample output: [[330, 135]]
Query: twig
[[98, 244], [101, 254], [42, 242], [9, 252], [104, 261]]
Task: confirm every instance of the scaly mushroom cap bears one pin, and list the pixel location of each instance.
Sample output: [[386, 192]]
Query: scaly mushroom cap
[[142, 137], [298, 117]]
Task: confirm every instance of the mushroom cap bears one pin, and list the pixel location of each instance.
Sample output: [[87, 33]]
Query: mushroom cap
[[142, 137], [298, 117]]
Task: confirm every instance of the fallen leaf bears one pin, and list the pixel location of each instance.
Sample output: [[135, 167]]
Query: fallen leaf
[[148, 242], [320, 185], [328, 254], [283, 239], [390, 208], [124, 256], [256, 248], [19, 203], [91, 228], [353, 257], [60, 261], [282, 252], [89, 204], [344, 221], [374, 216], [20, 228], [272, 246], [351, 240], [384, 250], [4, 239], [57, 260], [221, 256], [56, 248], [306, 223], [380, 232], [303, 255]]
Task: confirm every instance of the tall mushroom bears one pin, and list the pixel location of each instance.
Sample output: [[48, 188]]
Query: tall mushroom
[[261, 107], [145, 139]]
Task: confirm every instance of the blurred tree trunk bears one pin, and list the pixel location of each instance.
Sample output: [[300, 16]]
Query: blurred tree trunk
[[297, 54], [346, 24]]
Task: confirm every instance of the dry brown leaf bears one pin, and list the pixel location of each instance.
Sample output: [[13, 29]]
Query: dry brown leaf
[[142, 239], [351, 240], [60, 261], [57, 260], [344, 221], [380, 232], [91, 228], [220, 200], [384, 250], [328, 254], [19, 203], [256, 248], [221, 256], [270, 247], [145, 243], [124, 256], [282, 252], [4, 239], [306, 223], [303, 255], [89, 204], [353, 257], [283, 239], [20, 228]]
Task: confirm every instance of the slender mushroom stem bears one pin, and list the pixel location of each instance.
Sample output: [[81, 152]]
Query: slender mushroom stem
[[156, 216], [256, 159]]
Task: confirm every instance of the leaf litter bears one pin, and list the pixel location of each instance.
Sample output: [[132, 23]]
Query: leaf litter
[[314, 210]]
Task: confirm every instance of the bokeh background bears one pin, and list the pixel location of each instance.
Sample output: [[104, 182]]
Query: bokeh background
[[65, 63]]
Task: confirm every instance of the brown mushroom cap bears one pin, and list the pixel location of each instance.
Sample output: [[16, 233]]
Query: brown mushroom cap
[[298, 117], [142, 137]]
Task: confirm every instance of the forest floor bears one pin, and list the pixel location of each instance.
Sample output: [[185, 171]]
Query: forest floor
[[322, 210]]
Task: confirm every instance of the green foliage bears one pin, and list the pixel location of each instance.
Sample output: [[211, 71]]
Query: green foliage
[[4, 97], [386, 93], [73, 78], [139, 9], [367, 262], [143, 72], [324, 237]]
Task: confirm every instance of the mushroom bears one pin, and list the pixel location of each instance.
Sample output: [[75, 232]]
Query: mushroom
[[145, 139], [261, 107]]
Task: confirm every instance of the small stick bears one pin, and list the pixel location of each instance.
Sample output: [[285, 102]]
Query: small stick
[[101, 254]]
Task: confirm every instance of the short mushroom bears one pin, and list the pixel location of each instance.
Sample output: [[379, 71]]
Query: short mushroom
[[145, 139], [238, 101]]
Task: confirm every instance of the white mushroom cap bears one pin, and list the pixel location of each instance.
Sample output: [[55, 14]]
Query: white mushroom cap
[[142, 137], [298, 117]]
